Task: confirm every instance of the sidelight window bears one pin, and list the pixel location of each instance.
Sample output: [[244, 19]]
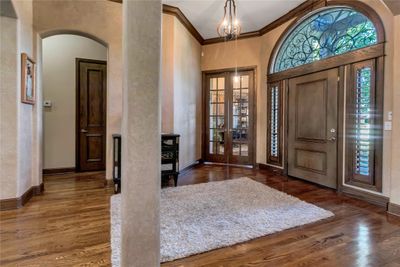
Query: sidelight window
[[364, 126], [274, 124]]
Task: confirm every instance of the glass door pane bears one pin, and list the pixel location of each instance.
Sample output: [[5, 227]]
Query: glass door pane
[[240, 117], [216, 118]]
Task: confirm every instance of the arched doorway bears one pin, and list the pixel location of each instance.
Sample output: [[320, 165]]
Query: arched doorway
[[75, 102], [325, 97]]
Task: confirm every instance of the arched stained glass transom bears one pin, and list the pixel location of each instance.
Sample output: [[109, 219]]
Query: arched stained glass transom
[[329, 32]]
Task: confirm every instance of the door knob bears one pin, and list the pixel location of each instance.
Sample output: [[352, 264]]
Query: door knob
[[83, 131]]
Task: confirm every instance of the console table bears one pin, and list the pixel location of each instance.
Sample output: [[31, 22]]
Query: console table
[[169, 160]]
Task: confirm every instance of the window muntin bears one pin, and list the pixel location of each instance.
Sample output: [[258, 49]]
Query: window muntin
[[330, 32]]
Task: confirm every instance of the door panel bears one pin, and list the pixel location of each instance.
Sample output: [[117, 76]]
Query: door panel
[[91, 114], [312, 147], [240, 135], [229, 117], [215, 118]]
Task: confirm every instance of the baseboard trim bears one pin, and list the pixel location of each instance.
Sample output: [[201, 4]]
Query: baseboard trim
[[191, 166], [366, 196], [108, 183], [263, 166], [59, 170], [394, 209], [19, 202]]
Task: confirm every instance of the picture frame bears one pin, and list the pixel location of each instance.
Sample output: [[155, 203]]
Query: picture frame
[[28, 80]]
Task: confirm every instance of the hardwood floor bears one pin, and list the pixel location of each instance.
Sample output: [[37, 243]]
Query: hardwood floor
[[69, 226]]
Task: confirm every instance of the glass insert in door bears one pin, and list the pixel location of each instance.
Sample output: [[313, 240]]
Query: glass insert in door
[[240, 115], [217, 116]]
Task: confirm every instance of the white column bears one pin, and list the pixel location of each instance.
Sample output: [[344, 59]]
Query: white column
[[140, 244]]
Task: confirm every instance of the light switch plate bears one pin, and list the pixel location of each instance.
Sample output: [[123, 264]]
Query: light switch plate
[[47, 103], [390, 116], [388, 126]]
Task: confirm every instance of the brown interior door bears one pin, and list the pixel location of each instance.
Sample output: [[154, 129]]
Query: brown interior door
[[312, 130], [216, 118], [240, 134], [229, 117], [91, 114]]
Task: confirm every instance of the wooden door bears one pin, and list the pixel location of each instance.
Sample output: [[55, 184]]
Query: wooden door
[[91, 114], [216, 118], [312, 127], [229, 117], [240, 134]]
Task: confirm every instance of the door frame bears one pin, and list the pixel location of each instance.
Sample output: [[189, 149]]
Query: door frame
[[204, 107], [77, 115]]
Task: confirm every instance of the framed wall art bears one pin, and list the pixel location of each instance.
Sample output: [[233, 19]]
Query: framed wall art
[[28, 79]]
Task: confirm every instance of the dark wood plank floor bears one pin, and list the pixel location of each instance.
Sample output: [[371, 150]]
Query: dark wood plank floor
[[69, 226]]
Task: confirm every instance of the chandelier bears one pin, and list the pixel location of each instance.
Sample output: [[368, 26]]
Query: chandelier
[[229, 27]]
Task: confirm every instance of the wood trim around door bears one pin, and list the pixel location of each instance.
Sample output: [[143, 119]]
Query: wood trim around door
[[77, 110], [204, 103]]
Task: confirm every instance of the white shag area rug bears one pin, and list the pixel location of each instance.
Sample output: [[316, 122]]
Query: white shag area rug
[[198, 218]]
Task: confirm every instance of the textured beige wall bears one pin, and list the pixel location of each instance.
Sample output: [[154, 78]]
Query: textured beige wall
[[59, 86], [181, 88], [187, 94], [167, 83], [25, 112], [8, 107], [395, 185], [102, 20], [257, 51], [246, 53], [20, 123]]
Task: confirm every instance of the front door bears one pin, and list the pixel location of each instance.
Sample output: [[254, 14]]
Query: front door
[[312, 127], [229, 117], [91, 114]]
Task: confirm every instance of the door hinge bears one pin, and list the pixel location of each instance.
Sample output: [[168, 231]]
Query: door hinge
[[338, 78]]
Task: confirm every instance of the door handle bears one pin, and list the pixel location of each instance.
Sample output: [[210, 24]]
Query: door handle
[[84, 131], [332, 139]]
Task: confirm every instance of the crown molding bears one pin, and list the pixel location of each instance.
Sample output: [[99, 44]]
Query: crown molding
[[175, 11], [298, 11], [171, 10]]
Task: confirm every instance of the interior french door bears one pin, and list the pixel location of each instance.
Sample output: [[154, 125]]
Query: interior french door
[[229, 117]]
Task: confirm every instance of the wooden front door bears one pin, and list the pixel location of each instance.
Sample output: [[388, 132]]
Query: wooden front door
[[229, 117], [312, 127], [91, 105]]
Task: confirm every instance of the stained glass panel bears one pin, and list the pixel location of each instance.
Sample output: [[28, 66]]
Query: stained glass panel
[[330, 32]]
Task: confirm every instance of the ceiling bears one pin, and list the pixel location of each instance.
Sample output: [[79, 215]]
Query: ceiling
[[205, 15]]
